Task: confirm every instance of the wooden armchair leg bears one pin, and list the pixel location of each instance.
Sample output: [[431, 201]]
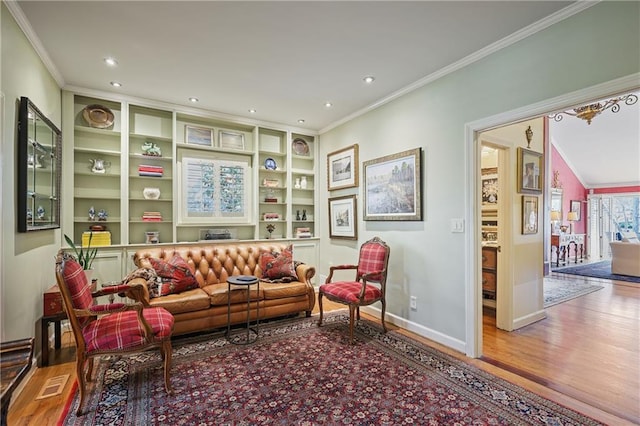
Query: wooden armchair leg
[[81, 377], [320, 307], [384, 308], [352, 313], [166, 353]]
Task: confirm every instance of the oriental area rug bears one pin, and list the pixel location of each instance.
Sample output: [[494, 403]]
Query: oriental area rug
[[300, 374], [600, 269], [558, 291]]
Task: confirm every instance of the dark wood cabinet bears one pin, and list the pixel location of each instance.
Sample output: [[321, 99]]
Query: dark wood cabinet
[[489, 272]]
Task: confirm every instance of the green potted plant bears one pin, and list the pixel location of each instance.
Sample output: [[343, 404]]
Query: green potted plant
[[84, 256]]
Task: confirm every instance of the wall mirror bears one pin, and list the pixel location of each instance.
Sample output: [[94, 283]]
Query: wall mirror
[[39, 165]]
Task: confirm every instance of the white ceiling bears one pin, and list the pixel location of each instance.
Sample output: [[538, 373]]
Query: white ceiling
[[284, 59]]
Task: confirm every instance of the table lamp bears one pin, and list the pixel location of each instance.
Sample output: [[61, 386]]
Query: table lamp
[[572, 217], [555, 217]]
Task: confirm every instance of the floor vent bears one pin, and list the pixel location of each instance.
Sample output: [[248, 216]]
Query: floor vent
[[53, 386]]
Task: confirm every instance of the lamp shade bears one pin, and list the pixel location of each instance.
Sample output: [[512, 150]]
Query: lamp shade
[[555, 215], [572, 216]]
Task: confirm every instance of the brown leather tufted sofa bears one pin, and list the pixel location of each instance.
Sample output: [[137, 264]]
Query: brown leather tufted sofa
[[205, 308]]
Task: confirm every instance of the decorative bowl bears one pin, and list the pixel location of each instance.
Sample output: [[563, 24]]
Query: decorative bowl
[[151, 193]]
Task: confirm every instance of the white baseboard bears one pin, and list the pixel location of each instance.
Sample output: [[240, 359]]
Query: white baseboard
[[529, 319], [418, 329]]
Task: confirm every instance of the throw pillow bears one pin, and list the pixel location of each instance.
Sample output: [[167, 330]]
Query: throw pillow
[[278, 266], [174, 276]]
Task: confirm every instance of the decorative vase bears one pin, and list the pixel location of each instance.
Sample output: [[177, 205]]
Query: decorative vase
[[303, 182], [297, 184], [151, 193]]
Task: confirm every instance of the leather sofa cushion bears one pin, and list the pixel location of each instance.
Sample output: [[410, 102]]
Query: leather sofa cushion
[[218, 294], [283, 290], [187, 301]]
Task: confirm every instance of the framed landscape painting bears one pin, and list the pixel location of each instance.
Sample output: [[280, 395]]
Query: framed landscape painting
[[342, 168], [392, 187], [198, 136]]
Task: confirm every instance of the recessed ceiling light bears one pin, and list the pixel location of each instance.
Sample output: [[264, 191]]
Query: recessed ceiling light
[[116, 84], [111, 62], [301, 121], [369, 79], [194, 100], [252, 111], [328, 104]]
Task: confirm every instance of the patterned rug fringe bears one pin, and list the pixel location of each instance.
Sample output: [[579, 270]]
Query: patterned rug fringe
[[299, 373]]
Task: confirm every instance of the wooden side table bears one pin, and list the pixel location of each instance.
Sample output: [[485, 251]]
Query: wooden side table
[[44, 335]]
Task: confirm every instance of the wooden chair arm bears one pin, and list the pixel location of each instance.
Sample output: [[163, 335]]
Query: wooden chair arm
[[337, 268], [109, 308]]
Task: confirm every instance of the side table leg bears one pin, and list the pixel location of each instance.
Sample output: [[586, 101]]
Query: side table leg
[[44, 341], [58, 333]]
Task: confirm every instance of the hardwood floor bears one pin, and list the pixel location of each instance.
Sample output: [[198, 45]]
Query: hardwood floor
[[587, 348], [584, 356]]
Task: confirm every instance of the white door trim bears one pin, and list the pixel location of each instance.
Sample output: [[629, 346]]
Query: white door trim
[[472, 149]]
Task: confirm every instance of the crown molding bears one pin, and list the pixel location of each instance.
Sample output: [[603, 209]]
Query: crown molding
[[525, 32], [28, 31]]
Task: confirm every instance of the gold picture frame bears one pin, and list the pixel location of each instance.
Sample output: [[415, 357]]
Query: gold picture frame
[[529, 214], [530, 171]]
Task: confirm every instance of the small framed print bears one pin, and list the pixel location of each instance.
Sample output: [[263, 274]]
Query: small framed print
[[575, 207], [198, 136], [342, 218], [529, 214], [231, 140], [342, 168], [529, 171]]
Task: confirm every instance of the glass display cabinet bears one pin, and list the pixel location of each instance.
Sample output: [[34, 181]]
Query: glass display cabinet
[[39, 170]]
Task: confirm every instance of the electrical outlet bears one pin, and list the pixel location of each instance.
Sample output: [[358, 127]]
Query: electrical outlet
[[413, 303]]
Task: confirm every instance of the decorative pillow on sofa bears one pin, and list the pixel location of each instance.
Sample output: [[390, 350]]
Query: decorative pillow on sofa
[[278, 266], [174, 276]]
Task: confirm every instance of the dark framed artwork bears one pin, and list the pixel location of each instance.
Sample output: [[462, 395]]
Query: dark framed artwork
[[529, 214], [575, 207], [343, 217], [392, 187], [529, 171]]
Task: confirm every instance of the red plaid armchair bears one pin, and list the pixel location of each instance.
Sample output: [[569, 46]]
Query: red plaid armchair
[[368, 287], [111, 329]]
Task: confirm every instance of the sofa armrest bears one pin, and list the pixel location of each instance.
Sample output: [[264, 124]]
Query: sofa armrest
[[305, 273]]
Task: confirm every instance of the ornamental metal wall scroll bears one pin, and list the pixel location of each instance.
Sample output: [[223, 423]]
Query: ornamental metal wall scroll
[[588, 112]]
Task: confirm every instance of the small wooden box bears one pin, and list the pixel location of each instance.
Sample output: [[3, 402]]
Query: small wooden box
[[52, 301]]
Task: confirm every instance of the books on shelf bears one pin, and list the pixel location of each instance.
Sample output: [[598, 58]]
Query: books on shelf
[[99, 238], [148, 170], [303, 232], [152, 217]]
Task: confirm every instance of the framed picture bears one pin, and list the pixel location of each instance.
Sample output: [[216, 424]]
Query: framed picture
[[529, 214], [342, 218], [198, 136], [575, 207], [529, 171], [231, 140], [489, 190], [342, 168], [392, 187]]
